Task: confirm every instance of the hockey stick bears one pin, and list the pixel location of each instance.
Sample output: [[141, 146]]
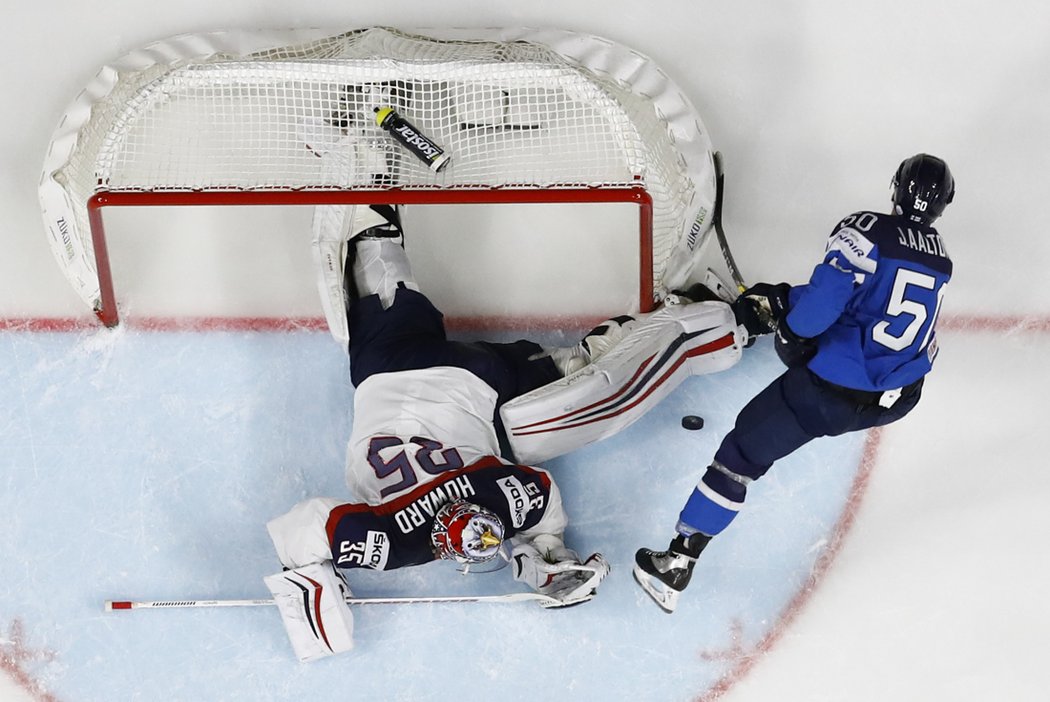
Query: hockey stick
[[716, 220], [115, 605]]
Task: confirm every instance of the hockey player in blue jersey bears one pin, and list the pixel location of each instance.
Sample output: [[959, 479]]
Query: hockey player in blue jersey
[[858, 340]]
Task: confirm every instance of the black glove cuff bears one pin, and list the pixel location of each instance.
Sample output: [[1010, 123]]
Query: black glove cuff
[[793, 349]]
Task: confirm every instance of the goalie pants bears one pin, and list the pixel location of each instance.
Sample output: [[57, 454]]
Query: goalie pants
[[793, 410], [410, 335]]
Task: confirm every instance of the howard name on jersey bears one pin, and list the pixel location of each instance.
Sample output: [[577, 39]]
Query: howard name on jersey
[[396, 534], [888, 275]]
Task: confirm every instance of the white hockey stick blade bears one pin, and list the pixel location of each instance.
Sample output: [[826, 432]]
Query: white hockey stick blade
[[117, 605]]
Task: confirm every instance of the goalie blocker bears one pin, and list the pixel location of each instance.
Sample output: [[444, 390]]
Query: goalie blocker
[[311, 600], [656, 353]]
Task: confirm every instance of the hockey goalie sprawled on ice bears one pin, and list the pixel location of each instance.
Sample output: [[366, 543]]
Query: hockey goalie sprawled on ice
[[446, 433]]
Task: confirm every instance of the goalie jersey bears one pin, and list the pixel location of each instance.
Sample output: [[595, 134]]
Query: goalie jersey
[[396, 533], [873, 302]]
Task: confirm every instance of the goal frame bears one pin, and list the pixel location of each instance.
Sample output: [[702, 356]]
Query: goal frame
[[669, 177], [107, 311]]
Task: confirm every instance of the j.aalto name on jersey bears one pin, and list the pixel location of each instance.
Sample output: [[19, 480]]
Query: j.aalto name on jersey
[[927, 242]]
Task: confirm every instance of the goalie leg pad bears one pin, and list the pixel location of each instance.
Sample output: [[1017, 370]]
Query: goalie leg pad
[[656, 354], [377, 268], [311, 600], [341, 151], [329, 254]]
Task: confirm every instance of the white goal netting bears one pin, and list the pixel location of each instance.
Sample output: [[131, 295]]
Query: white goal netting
[[518, 111]]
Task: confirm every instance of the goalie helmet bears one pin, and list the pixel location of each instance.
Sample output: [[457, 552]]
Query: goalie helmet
[[922, 187], [466, 533]]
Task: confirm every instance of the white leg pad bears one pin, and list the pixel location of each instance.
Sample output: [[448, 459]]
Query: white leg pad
[[659, 351], [312, 606], [329, 252], [332, 226]]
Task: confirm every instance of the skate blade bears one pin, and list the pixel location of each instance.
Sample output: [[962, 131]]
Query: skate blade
[[666, 598]]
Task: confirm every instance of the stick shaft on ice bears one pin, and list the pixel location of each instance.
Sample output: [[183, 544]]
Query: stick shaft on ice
[[116, 605]]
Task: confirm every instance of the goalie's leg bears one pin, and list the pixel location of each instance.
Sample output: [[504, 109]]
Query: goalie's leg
[[338, 233], [376, 263]]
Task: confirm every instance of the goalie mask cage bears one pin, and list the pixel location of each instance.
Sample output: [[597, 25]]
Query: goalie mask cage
[[286, 117]]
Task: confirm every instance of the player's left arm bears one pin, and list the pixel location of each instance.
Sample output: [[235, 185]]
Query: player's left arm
[[849, 259]]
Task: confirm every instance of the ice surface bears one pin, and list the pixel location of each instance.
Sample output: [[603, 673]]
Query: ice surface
[[128, 473], [144, 465]]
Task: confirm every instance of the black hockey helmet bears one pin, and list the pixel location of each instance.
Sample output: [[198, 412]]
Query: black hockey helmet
[[922, 187]]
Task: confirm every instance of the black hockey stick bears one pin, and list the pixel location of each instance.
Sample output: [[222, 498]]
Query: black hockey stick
[[716, 220]]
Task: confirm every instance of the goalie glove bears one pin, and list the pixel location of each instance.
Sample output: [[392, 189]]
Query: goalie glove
[[312, 603], [553, 570]]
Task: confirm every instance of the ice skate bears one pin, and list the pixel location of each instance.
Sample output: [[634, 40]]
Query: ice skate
[[664, 575]]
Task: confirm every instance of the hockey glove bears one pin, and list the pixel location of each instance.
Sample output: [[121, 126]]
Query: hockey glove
[[793, 349], [761, 307], [312, 603], [557, 571]]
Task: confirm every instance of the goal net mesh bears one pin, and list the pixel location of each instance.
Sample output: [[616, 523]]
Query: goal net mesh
[[512, 114]]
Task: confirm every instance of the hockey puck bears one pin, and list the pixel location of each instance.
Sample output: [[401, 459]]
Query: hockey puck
[[692, 422]]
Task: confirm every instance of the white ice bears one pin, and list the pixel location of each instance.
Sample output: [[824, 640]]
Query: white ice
[[144, 464]]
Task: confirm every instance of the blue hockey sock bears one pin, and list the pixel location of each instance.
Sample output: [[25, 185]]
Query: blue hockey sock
[[713, 504]]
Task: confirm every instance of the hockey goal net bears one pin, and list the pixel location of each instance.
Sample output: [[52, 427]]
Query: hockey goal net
[[252, 118]]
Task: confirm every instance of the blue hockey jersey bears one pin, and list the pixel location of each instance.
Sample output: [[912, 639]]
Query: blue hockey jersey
[[872, 304]]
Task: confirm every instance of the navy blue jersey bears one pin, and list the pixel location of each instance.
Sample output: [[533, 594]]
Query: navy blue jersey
[[873, 302], [396, 534]]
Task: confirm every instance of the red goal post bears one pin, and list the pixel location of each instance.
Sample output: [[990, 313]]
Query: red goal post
[[285, 118]]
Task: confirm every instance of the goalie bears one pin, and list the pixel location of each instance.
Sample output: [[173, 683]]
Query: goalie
[[440, 427]]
